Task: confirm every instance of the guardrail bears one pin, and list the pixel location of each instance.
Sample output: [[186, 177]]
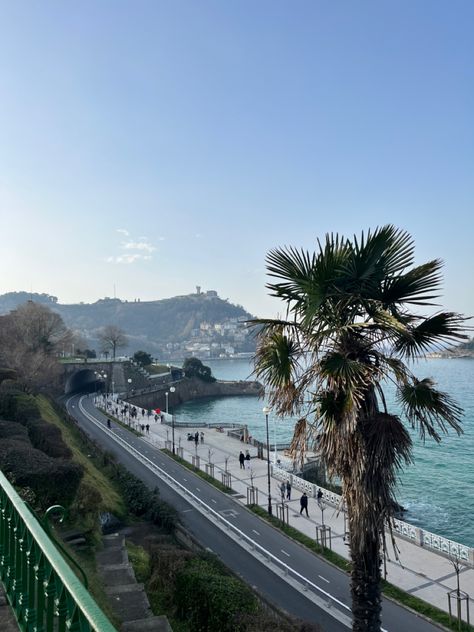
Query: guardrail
[[243, 539], [420, 537], [43, 591]]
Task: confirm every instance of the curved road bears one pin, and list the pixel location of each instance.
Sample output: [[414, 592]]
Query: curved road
[[327, 604]]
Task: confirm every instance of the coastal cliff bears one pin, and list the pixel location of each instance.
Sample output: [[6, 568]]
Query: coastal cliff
[[188, 389]]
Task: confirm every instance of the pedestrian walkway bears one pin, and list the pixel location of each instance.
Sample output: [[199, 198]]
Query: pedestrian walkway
[[418, 571]]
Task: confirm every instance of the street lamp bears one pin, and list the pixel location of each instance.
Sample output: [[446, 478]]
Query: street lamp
[[104, 375], [172, 390], [129, 381], [266, 411]]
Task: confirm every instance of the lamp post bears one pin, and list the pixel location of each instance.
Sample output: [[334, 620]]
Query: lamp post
[[104, 375], [172, 390], [266, 411]]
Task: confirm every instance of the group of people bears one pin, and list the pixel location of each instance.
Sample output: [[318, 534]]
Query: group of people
[[244, 460], [196, 437]]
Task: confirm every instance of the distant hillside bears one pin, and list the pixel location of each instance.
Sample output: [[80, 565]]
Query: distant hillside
[[148, 324]]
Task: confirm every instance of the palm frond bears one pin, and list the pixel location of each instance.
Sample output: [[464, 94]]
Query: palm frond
[[429, 410], [436, 331], [276, 363], [419, 286]]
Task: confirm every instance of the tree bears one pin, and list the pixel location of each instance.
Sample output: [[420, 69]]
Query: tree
[[193, 367], [31, 338], [351, 327], [143, 358], [112, 338]]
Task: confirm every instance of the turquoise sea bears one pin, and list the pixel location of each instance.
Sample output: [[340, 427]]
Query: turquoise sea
[[437, 490]]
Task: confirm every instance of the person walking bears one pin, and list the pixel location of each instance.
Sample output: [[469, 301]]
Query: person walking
[[242, 460], [196, 438], [202, 438], [108, 423], [319, 496], [282, 491], [147, 428], [304, 504], [288, 490], [247, 460]]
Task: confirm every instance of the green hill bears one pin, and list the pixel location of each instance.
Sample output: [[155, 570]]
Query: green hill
[[149, 325]]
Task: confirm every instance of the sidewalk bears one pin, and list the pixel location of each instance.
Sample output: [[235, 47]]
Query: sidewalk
[[419, 571]]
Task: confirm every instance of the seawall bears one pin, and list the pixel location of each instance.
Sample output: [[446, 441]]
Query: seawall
[[188, 389]]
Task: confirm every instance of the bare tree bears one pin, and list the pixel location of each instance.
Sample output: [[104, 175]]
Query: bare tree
[[31, 337], [112, 338]]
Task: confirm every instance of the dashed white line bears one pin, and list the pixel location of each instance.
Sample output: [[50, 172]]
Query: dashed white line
[[256, 532], [324, 579], [285, 552], [185, 479], [213, 501], [198, 489]]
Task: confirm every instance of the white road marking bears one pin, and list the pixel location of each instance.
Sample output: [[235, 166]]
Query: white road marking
[[324, 579], [256, 532], [187, 510], [198, 489], [185, 479], [285, 552], [214, 501]]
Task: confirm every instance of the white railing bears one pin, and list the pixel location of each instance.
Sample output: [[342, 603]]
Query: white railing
[[420, 537]]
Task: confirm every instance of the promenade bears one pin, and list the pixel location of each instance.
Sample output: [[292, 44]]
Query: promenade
[[418, 571]]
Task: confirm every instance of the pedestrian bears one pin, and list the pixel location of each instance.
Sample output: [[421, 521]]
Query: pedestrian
[[288, 490], [196, 438], [156, 418], [242, 460], [108, 423], [142, 427], [247, 460], [282, 491], [202, 438], [304, 504], [319, 496], [147, 427]]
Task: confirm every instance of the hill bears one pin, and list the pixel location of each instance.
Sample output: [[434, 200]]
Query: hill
[[163, 327]]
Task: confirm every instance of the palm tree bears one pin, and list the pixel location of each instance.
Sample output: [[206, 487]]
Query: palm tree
[[353, 324]]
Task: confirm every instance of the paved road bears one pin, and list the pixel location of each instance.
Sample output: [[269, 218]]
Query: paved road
[[328, 604]]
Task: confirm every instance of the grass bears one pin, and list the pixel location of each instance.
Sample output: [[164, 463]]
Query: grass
[[389, 590], [140, 560], [203, 475], [111, 499], [157, 369]]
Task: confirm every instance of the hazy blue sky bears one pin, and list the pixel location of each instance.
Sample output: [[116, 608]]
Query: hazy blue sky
[[160, 145]]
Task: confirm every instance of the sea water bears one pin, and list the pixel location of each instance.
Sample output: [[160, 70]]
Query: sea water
[[436, 490]]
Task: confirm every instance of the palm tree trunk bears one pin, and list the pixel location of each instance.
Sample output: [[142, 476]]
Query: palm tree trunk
[[365, 584]]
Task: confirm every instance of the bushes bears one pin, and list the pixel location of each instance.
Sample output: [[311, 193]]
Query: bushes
[[51, 480], [211, 600], [142, 502], [22, 408]]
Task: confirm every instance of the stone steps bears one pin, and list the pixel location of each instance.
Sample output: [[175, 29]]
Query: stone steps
[[127, 597]]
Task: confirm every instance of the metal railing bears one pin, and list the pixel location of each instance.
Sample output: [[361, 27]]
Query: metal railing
[[43, 591]]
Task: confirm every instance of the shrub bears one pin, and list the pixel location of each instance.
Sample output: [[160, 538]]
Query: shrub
[[209, 600], [48, 438]]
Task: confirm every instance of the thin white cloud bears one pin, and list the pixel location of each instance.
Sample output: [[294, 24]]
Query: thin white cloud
[[128, 258], [132, 250], [138, 245]]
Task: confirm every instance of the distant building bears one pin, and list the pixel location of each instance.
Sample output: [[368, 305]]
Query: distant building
[[211, 293]]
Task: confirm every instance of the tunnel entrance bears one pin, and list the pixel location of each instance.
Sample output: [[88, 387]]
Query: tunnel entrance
[[83, 381]]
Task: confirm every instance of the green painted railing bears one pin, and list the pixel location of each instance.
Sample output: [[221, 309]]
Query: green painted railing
[[44, 593]]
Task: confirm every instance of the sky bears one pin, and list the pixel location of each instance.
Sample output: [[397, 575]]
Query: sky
[[147, 147]]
